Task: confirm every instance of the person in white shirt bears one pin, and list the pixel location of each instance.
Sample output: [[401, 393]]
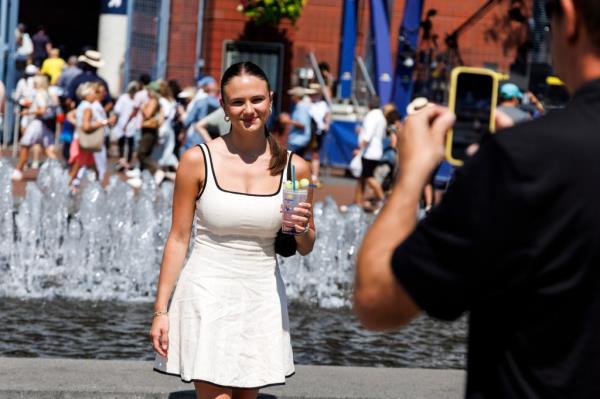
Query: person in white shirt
[[124, 131], [100, 157], [370, 143], [319, 112]]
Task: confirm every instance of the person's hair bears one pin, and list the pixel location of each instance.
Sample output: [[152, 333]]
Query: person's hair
[[85, 89], [374, 102], [164, 90], [323, 66], [278, 153], [393, 116], [145, 79], [41, 82], [174, 86], [387, 108], [133, 87]]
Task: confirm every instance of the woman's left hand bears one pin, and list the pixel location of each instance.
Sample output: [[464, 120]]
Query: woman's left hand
[[301, 217]]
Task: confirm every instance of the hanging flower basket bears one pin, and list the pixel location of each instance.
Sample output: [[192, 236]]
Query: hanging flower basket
[[271, 12]]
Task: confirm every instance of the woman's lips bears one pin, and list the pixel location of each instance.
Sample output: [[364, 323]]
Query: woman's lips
[[248, 121]]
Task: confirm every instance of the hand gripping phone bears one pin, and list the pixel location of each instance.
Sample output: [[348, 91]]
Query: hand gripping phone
[[473, 97]]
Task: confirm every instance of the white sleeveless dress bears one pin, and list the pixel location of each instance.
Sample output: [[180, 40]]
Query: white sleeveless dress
[[228, 320]]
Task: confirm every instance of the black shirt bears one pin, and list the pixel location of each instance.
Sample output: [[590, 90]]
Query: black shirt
[[84, 77], [516, 242]]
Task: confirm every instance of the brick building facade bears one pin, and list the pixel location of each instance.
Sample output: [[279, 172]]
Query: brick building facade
[[492, 40]]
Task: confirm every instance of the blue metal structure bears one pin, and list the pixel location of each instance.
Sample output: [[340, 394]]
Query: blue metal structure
[[383, 59], [11, 70], [348, 46], [407, 45]]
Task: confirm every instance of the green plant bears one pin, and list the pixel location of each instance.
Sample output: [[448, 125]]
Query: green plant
[[271, 11]]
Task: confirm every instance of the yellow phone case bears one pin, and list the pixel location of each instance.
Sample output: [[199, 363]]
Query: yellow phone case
[[452, 103]]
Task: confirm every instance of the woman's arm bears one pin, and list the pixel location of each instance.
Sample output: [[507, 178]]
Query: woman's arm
[[71, 117], [149, 109], [190, 176], [303, 213], [87, 125]]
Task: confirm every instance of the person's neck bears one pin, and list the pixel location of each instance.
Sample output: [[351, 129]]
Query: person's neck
[[586, 68], [247, 145]]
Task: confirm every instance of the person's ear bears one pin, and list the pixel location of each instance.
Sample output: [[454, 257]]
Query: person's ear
[[569, 20], [221, 102]]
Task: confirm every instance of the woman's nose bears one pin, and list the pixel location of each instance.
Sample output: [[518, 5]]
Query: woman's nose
[[248, 107]]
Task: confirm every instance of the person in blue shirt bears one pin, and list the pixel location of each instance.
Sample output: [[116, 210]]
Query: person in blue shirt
[[299, 122], [205, 102]]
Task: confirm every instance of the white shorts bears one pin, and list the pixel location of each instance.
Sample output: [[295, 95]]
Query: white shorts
[[37, 133]]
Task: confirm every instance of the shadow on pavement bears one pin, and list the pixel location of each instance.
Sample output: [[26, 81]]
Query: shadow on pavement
[[192, 395]]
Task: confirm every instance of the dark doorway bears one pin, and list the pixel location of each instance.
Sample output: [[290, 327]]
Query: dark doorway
[[70, 24]]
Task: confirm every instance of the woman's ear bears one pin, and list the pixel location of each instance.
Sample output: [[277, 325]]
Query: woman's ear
[[222, 102]]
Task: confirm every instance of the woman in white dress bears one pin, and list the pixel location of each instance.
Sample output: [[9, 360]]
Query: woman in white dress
[[227, 327]]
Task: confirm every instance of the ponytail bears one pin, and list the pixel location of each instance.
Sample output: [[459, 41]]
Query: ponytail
[[278, 155]]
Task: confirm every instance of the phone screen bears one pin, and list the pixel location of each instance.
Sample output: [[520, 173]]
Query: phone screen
[[473, 103]]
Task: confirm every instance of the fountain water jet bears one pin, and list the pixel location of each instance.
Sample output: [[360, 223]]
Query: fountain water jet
[[106, 244]]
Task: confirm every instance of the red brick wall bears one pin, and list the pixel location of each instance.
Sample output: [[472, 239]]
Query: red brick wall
[[490, 40], [181, 56]]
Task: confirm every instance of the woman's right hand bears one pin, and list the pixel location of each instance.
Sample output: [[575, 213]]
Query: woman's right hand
[[159, 334]]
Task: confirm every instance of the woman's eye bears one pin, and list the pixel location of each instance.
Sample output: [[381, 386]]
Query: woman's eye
[[237, 103], [257, 100]]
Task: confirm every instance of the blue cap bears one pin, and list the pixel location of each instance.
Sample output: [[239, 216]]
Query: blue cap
[[510, 90], [205, 80]]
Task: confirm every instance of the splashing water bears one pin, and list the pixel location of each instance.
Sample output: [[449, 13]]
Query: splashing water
[[105, 244]]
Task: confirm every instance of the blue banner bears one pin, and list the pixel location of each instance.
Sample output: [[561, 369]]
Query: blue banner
[[340, 141], [114, 7], [348, 46], [407, 44], [383, 58]]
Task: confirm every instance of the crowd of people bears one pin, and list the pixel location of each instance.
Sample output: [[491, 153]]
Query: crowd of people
[[148, 127], [375, 159]]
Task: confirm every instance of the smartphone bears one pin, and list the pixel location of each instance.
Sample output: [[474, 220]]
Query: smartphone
[[473, 97]]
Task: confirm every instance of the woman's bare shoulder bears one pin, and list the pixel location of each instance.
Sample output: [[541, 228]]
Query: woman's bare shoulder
[[302, 166], [192, 161]]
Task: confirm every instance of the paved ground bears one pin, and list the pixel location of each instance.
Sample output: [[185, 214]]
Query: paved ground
[[91, 379]]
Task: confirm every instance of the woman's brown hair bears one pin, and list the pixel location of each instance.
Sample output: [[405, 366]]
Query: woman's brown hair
[[278, 153]]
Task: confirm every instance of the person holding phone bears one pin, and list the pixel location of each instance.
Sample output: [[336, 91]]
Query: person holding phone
[[227, 326], [514, 241]]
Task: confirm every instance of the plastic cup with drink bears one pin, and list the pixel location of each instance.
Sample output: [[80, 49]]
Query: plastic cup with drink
[[294, 192]]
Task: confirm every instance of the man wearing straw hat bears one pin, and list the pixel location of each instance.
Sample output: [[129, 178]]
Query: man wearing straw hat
[[89, 62]]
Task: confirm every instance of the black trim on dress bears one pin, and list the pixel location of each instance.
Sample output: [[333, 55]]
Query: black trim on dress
[[222, 386], [236, 192], [205, 177]]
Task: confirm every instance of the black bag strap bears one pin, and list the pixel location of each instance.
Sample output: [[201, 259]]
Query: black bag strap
[[289, 166]]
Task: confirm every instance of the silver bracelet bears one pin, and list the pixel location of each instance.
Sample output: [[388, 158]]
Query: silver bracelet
[[160, 313], [304, 232]]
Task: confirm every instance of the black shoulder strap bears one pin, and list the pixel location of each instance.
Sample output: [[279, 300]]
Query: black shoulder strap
[[289, 166]]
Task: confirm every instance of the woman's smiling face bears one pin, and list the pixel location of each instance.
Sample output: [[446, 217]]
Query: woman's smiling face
[[247, 101]]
